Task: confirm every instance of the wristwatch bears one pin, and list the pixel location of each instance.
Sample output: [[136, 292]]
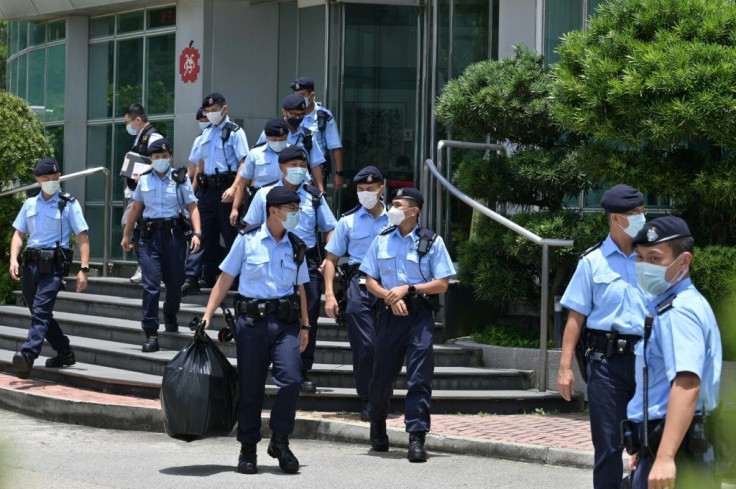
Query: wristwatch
[[412, 289], [199, 235], [84, 270], [306, 327]]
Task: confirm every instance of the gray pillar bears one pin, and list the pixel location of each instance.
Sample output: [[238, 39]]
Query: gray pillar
[[75, 107]]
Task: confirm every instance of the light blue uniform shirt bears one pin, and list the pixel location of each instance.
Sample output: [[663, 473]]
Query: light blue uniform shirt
[[354, 233], [261, 166], [393, 260], [267, 269], [684, 338], [306, 228], [45, 224], [604, 289], [328, 139], [194, 154], [162, 196], [316, 156], [217, 156]]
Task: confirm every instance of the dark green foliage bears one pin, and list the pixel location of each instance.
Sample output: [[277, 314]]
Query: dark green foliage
[[503, 335]]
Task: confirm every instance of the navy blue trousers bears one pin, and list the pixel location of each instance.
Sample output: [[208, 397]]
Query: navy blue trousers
[[611, 385], [215, 218], [39, 292], [162, 257], [313, 290], [265, 342], [361, 333], [691, 471], [399, 338], [193, 266]]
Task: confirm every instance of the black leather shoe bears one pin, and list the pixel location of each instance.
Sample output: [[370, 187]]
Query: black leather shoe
[[279, 448], [307, 385], [191, 286], [247, 462], [22, 362], [151, 344], [170, 323], [416, 451], [379, 438], [208, 281], [62, 359], [365, 413]]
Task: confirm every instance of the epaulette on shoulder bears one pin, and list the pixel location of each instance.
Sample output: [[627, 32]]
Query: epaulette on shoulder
[[232, 126], [591, 249], [249, 229], [67, 196], [150, 170], [314, 191], [259, 145], [295, 239], [352, 211], [666, 304], [388, 230]]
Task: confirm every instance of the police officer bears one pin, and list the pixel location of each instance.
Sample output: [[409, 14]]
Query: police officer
[[223, 148], [353, 235], [194, 153], [299, 135], [323, 125], [136, 124], [48, 219], [603, 292], [406, 267], [315, 216], [261, 167], [269, 260], [162, 195], [683, 359]]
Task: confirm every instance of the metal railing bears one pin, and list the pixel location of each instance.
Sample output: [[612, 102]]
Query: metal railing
[[108, 204], [442, 183]]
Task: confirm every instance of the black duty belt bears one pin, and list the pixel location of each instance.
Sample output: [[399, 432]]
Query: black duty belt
[[313, 253], [168, 224], [609, 343], [262, 307], [215, 181], [37, 254]]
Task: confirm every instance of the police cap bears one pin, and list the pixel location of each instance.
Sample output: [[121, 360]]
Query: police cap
[[621, 198], [200, 113], [409, 193], [660, 230], [369, 174], [159, 146], [47, 166], [291, 153], [294, 102], [276, 127], [302, 83], [214, 98], [281, 195]]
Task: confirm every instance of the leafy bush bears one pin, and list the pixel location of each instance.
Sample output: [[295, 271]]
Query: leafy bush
[[501, 335]]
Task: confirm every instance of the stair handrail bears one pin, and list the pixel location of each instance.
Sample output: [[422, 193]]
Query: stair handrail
[[443, 184], [108, 205]]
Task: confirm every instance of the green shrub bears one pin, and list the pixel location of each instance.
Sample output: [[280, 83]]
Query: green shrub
[[501, 335]]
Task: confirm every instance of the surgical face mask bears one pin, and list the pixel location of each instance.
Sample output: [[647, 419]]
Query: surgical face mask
[[306, 102], [294, 122], [130, 130], [636, 222], [296, 176], [203, 125], [161, 165], [652, 279], [277, 146], [50, 187], [214, 117], [396, 216], [368, 199], [291, 221]]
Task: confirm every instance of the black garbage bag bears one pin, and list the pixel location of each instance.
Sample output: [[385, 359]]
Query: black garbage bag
[[199, 392]]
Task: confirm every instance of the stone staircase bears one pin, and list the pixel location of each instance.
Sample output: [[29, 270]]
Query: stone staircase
[[103, 324]]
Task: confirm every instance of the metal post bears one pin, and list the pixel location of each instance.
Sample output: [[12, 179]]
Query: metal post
[[558, 322], [543, 320], [106, 224], [437, 226]]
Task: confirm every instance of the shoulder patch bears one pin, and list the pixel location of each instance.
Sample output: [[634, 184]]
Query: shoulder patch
[[388, 230], [232, 126], [666, 304], [591, 249], [312, 190], [249, 229], [352, 211], [67, 196]]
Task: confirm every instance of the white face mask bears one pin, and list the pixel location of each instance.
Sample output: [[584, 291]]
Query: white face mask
[[277, 146], [636, 222], [396, 216], [368, 199], [203, 125], [50, 187], [214, 117]]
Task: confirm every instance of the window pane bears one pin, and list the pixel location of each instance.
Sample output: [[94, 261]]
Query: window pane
[[123, 144], [55, 134], [470, 34], [36, 75], [22, 35], [14, 37], [166, 127], [563, 16], [129, 76], [38, 34], [12, 81], [99, 148], [55, 82], [162, 17], [94, 215], [593, 6], [102, 26], [57, 30], [99, 90], [130, 22], [22, 76], [160, 73]]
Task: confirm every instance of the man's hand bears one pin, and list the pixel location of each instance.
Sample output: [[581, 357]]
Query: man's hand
[[399, 308], [303, 339], [194, 246], [331, 306], [321, 267], [662, 475], [229, 194], [234, 217], [14, 269], [125, 243], [337, 182], [566, 383], [206, 320], [396, 294], [81, 281]]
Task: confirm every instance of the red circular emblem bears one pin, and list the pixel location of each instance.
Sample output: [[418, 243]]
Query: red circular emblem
[[189, 64]]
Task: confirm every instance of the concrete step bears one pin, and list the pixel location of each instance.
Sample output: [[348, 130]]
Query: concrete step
[[93, 324], [124, 382], [129, 356]]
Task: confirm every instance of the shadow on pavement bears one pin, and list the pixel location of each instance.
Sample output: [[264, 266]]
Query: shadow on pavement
[[198, 470]]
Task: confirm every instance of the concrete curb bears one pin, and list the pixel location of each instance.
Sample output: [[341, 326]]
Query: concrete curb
[[139, 418]]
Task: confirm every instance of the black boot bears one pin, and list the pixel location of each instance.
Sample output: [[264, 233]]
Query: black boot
[[247, 460], [364, 413], [151, 344], [379, 438], [279, 448], [416, 447], [191, 286], [170, 324], [23, 361], [307, 385], [62, 359]]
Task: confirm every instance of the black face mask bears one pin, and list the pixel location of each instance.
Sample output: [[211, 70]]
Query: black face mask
[[294, 122]]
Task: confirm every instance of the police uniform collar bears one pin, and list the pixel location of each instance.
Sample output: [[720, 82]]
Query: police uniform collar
[[364, 211], [609, 247], [54, 196], [679, 287]]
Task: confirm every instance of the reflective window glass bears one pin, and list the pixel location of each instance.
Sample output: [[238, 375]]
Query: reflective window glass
[[99, 80], [36, 81], [38, 34], [160, 58], [129, 74], [563, 16], [470, 34], [55, 135], [161, 17], [22, 35], [13, 35], [12, 80], [55, 82], [99, 149], [57, 30], [22, 76], [130, 22], [102, 26]]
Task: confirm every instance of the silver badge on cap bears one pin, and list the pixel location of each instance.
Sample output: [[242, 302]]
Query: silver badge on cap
[[296, 86], [652, 234], [369, 179], [400, 192], [211, 101]]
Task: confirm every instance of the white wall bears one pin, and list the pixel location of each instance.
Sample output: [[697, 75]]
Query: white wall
[[517, 25]]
